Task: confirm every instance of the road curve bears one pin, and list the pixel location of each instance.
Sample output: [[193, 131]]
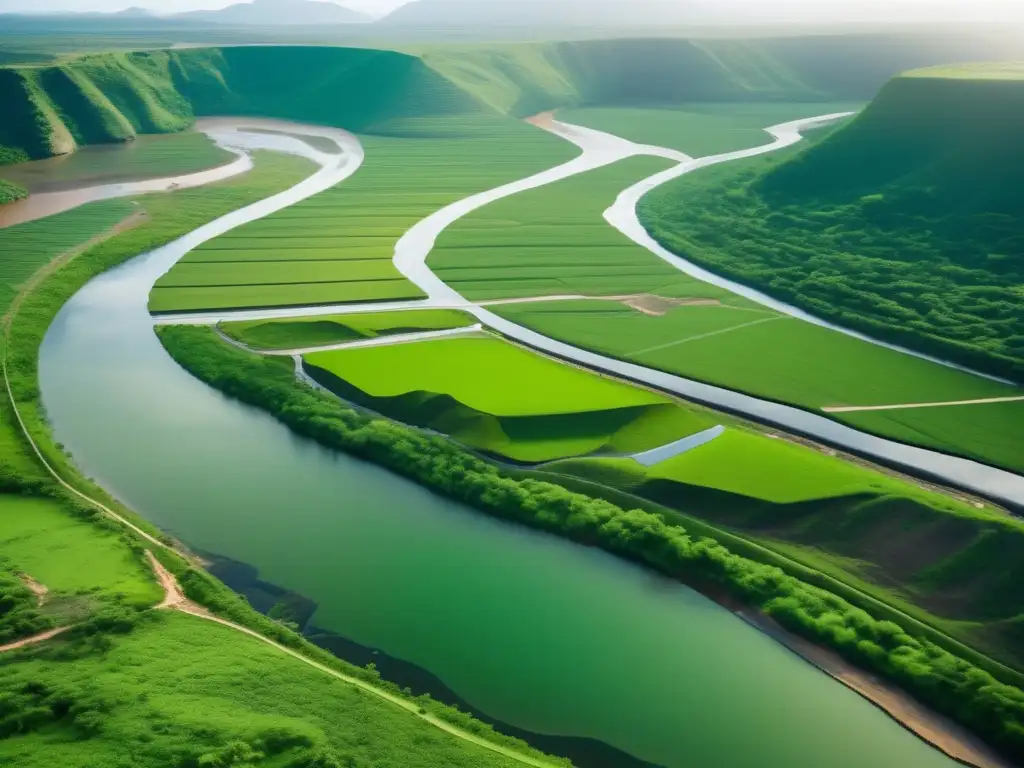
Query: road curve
[[600, 149]]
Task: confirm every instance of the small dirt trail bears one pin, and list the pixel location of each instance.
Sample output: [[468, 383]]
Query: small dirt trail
[[908, 406], [34, 640]]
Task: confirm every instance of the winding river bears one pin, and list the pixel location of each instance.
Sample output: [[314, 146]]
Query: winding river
[[533, 631]]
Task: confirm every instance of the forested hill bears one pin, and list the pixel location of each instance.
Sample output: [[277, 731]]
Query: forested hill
[[907, 223], [111, 97]]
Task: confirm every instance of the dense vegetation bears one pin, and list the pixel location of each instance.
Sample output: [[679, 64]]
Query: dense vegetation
[[10, 192], [313, 331], [471, 389], [907, 224], [746, 347], [19, 613], [948, 683]]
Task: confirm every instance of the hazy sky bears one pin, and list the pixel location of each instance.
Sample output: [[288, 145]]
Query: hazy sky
[[818, 9]]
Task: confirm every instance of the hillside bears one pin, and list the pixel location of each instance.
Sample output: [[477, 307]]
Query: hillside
[[908, 223], [112, 97]]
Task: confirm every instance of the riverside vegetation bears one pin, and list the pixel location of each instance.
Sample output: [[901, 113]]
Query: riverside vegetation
[[66, 701], [950, 684]]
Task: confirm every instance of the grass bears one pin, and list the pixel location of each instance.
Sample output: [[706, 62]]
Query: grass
[[146, 157], [699, 130], [69, 555], [754, 465], [299, 332], [337, 246], [552, 241], [27, 247], [179, 688], [787, 360], [499, 398]]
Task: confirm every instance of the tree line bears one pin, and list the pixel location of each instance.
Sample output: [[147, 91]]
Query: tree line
[[942, 680]]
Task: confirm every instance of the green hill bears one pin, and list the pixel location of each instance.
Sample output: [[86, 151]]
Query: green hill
[[111, 97], [908, 223]]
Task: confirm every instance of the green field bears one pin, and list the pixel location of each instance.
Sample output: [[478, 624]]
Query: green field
[[71, 556], [699, 130], [145, 157], [472, 389], [11, 192], [337, 246], [27, 247], [553, 241], [786, 360], [299, 332], [920, 246]]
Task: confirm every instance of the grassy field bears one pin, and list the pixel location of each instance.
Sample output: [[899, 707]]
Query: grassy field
[[71, 556], [783, 359], [920, 246], [11, 192], [27, 247], [182, 691], [146, 157], [299, 332], [337, 246], [472, 389], [699, 129], [553, 240]]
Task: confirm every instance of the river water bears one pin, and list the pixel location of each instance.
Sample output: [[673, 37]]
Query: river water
[[534, 631]]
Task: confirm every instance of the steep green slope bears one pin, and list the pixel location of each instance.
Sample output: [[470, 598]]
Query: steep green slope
[[907, 224], [470, 389], [113, 96]]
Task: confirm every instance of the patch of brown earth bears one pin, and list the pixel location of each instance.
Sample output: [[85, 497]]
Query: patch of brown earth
[[545, 120], [657, 306]]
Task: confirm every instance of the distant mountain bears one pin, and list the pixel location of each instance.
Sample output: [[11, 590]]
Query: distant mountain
[[559, 13], [273, 12]]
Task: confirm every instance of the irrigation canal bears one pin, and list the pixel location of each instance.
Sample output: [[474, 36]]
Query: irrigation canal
[[531, 630]]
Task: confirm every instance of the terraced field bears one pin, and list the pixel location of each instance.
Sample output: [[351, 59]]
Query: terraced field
[[27, 247], [145, 157], [554, 241], [472, 389], [337, 246], [752, 349], [699, 130], [300, 332]]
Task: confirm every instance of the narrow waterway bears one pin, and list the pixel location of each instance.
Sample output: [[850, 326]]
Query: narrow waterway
[[533, 631]]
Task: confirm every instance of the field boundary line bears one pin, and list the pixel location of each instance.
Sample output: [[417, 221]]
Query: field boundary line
[[708, 335], [908, 406]]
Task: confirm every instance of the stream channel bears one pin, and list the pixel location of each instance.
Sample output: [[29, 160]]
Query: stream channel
[[532, 631]]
